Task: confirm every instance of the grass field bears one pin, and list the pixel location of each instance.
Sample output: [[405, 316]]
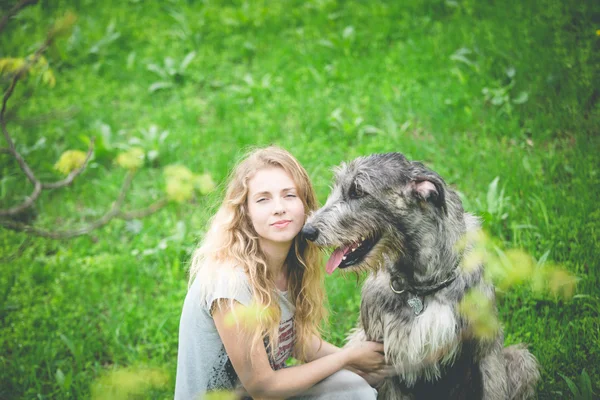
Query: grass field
[[477, 90]]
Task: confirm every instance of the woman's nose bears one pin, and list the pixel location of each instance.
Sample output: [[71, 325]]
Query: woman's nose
[[279, 206]]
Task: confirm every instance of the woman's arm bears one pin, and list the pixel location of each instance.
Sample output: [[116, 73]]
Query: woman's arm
[[320, 348], [260, 380]]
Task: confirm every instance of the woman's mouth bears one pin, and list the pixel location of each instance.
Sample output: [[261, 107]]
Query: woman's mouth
[[281, 224]]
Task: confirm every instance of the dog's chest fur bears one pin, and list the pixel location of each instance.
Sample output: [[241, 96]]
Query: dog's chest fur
[[426, 349]]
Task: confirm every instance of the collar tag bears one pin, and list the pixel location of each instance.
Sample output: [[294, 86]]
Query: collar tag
[[416, 304]]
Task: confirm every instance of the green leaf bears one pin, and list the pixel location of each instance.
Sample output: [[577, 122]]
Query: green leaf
[[492, 196], [160, 85], [586, 385], [187, 60], [60, 378], [521, 98], [572, 386]]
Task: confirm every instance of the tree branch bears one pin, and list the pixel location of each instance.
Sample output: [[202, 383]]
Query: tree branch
[[37, 190], [16, 8], [11, 145], [138, 214], [114, 211], [37, 185]]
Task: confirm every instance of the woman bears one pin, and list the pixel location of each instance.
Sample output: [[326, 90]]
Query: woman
[[256, 297]]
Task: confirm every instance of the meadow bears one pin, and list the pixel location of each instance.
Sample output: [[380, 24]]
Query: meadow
[[500, 98]]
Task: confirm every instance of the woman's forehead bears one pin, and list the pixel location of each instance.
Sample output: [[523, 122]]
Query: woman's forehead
[[272, 179]]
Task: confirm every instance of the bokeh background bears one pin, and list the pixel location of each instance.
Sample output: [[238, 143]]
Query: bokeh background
[[499, 97]]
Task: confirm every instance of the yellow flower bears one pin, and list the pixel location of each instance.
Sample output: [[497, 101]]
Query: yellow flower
[[10, 65], [204, 184], [64, 25], [180, 183], [561, 283], [479, 311], [69, 161], [131, 159], [127, 383], [598, 32]]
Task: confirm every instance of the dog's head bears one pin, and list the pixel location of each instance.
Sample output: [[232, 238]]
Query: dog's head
[[385, 210]]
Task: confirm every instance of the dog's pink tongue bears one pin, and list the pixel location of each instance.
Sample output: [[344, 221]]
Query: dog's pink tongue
[[335, 260]]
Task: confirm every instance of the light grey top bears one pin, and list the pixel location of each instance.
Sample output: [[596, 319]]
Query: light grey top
[[202, 363]]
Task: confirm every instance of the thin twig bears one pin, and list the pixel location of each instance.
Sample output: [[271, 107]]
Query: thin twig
[[138, 214], [37, 190], [14, 10], [37, 185], [11, 145]]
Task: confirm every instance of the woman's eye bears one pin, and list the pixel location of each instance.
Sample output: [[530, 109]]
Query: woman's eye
[[290, 195], [261, 200]]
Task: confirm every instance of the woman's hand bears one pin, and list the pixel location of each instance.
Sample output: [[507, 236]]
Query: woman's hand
[[376, 377], [366, 357], [369, 362]]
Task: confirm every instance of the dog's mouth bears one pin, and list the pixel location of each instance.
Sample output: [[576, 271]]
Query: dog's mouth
[[352, 254]]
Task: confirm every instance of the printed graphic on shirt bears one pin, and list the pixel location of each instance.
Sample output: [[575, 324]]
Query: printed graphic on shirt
[[287, 338], [222, 375]]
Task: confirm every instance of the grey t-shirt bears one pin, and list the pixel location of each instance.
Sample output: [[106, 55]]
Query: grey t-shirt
[[202, 362]]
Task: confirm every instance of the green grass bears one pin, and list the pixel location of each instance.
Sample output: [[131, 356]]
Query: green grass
[[329, 80]]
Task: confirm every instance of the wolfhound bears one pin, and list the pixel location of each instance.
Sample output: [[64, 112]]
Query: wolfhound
[[399, 220]]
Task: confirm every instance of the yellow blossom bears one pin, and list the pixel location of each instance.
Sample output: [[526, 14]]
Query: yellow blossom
[[476, 308], [204, 183], [69, 161], [131, 159], [63, 26], [179, 183], [127, 383]]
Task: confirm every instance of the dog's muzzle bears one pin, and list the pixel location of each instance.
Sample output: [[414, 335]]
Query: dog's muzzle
[[310, 232]]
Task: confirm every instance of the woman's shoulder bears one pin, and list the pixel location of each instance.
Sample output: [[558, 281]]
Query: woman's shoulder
[[222, 281]]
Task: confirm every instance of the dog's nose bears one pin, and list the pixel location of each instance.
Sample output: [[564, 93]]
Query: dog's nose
[[310, 232]]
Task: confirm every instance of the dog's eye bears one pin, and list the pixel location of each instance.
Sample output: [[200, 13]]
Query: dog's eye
[[355, 191]]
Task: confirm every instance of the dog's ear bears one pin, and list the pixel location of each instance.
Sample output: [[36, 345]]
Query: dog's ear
[[430, 188]]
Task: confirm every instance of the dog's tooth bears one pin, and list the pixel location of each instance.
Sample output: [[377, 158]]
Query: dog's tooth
[[362, 239], [354, 249], [344, 258]]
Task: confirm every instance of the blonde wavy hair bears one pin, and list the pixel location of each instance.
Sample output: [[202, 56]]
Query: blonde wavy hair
[[232, 241]]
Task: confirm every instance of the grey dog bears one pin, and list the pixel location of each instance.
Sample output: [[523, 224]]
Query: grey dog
[[400, 221]]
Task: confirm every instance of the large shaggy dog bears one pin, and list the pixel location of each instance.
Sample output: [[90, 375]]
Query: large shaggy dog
[[400, 220]]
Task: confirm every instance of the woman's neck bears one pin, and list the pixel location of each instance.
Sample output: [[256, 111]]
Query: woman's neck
[[276, 255]]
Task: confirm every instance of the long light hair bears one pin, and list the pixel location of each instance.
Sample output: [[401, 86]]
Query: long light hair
[[233, 242]]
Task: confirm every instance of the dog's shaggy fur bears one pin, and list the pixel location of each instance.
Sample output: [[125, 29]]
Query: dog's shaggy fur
[[400, 220]]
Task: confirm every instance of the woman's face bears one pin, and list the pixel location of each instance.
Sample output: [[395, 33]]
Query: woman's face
[[276, 211]]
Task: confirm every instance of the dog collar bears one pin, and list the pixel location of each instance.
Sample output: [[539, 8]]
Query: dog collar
[[417, 292]]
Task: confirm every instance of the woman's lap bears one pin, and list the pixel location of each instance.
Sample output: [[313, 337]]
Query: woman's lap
[[343, 385]]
